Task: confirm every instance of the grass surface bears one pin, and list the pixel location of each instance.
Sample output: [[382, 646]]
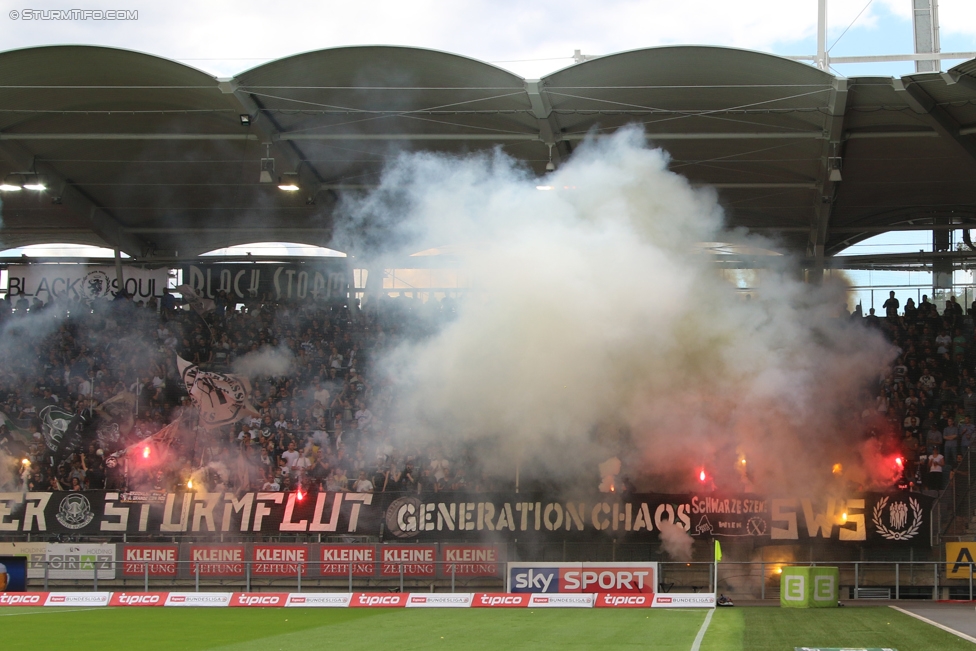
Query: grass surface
[[246, 629], [783, 629]]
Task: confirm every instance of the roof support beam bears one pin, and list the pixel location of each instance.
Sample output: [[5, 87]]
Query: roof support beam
[[549, 130], [127, 136], [938, 118], [103, 223], [271, 136], [827, 189]]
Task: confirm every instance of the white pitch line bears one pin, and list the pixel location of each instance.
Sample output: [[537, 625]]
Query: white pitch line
[[935, 624], [47, 611], [701, 632]]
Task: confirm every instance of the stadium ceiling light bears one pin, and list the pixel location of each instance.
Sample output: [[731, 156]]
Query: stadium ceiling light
[[834, 164], [550, 166], [288, 183], [33, 182], [245, 120], [12, 183]]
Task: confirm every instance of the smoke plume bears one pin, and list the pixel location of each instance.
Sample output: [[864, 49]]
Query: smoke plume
[[267, 361], [675, 541], [599, 328]]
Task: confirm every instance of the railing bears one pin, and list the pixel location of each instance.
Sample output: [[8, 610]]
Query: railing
[[952, 513], [739, 580]]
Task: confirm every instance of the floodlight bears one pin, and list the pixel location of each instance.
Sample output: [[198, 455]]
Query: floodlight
[[33, 182], [12, 183], [245, 120], [288, 183]]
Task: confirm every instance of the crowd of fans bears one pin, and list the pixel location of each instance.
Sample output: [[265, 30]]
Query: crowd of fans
[[324, 423], [929, 396]]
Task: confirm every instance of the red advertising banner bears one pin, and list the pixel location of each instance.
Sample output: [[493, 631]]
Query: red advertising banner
[[279, 560], [138, 598], [335, 560], [217, 560], [161, 559], [470, 560], [378, 600], [499, 600], [259, 600], [616, 600], [23, 598], [415, 560]]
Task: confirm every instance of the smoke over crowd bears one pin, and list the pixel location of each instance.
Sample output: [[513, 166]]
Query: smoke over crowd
[[597, 328], [598, 347]]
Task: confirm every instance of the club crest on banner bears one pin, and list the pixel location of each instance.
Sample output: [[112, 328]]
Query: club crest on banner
[[75, 512], [900, 526], [96, 284]]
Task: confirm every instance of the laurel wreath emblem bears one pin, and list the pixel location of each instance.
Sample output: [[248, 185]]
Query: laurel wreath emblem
[[887, 533]]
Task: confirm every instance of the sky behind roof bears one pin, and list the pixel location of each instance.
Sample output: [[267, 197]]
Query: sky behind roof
[[224, 38]]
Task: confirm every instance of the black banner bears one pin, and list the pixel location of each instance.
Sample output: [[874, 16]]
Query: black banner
[[328, 279], [874, 518]]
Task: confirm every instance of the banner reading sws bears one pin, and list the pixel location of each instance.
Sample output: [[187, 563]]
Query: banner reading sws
[[327, 279], [878, 518]]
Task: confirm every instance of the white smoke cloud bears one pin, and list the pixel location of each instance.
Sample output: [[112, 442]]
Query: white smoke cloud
[[675, 541], [264, 362], [598, 328]]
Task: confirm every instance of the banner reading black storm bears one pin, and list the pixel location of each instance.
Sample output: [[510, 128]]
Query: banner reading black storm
[[876, 518], [322, 280]]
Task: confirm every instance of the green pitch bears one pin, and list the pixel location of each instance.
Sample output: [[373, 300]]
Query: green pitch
[[245, 629]]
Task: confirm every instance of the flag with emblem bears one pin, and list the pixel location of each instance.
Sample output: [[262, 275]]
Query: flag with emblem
[[222, 398]]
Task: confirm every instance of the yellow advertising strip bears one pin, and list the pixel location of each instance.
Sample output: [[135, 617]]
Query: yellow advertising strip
[[959, 556]]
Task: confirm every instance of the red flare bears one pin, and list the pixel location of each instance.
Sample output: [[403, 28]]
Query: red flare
[[899, 461], [701, 476], [300, 495], [145, 452]]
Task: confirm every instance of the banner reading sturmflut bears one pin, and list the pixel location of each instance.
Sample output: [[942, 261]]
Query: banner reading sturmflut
[[874, 518]]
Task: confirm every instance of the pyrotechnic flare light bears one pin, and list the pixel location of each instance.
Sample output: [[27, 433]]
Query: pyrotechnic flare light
[[300, 496], [701, 475], [837, 469], [898, 461], [189, 484], [843, 517], [26, 462], [779, 570], [145, 452], [743, 462]]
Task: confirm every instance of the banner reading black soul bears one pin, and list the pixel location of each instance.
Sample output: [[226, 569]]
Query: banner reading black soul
[[321, 280], [883, 518]]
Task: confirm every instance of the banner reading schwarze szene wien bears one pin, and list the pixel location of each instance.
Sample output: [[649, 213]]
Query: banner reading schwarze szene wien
[[889, 518]]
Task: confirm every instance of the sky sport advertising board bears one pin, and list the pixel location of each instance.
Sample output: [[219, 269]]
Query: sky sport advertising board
[[596, 578]]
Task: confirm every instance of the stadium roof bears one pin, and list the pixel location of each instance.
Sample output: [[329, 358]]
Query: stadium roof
[[150, 155]]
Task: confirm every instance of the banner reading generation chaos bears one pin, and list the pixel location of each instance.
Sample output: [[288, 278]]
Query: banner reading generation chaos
[[321, 280], [882, 518]]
